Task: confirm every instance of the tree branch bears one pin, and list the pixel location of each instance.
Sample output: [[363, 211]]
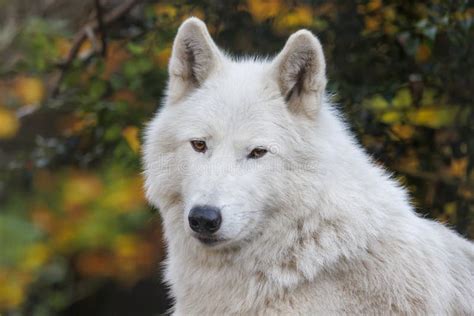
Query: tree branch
[[102, 29], [81, 36]]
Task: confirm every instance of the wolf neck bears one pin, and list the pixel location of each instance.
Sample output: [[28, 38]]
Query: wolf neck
[[343, 212]]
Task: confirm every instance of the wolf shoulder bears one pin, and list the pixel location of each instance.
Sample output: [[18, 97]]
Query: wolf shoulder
[[419, 267]]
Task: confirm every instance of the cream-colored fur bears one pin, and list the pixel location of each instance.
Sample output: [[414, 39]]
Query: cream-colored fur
[[314, 226]]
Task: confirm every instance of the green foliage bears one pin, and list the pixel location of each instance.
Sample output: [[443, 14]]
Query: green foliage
[[16, 234]]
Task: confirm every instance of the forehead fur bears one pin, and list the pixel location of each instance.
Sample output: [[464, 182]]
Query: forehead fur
[[239, 99]]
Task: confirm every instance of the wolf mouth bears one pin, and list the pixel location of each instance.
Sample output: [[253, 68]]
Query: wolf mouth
[[209, 241]]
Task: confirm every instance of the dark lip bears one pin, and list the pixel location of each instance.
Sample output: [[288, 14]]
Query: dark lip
[[209, 241]]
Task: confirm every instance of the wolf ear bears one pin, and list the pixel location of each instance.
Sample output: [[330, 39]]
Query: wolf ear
[[300, 71], [194, 57]]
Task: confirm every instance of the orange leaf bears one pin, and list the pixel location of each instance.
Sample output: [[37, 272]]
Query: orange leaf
[[29, 90], [116, 56], [372, 23], [130, 133], [264, 9], [458, 167], [95, 264], [43, 218], [423, 53], [403, 131]]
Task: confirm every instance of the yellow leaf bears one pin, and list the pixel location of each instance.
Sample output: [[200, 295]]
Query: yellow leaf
[[81, 188], [433, 116], [165, 10], [423, 53], [264, 9], [390, 14], [377, 103], [424, 116], [299, 17], [450, 209], [391, 117], [29, 90], [12, 290], [124, 245], [130, 133], [402, 99], [9, 124], [125, 195], [35, 256]]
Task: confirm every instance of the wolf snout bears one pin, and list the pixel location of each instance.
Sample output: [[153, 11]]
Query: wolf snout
[[205, 219]]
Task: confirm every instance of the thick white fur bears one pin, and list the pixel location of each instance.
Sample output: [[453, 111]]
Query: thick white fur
[[312, 227]]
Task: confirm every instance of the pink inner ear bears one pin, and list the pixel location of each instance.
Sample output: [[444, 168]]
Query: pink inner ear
[[300, 72], [195, 56], [300, 66]]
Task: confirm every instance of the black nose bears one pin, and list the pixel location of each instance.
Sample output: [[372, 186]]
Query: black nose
[[205, 219]]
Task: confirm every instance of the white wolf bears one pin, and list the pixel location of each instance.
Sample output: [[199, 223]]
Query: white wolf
[[270, 206]]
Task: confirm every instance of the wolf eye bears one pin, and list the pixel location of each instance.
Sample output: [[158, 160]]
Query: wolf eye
[[199, 146], [257, 153]]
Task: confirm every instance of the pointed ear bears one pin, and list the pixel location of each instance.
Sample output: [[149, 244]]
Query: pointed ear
[[300, 71], [194, 57]]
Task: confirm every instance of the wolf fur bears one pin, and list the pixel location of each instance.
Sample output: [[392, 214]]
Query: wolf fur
[[312, 227]]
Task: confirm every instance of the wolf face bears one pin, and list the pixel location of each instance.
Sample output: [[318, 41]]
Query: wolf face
[[225, 146]]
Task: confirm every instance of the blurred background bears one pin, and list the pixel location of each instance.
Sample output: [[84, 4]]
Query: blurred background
[[79, 79]]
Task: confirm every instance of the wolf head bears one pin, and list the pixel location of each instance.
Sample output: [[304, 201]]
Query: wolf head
[[231, 139]]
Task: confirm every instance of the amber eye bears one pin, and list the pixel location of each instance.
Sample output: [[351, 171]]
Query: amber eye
[[199, 146], [257, 153]]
